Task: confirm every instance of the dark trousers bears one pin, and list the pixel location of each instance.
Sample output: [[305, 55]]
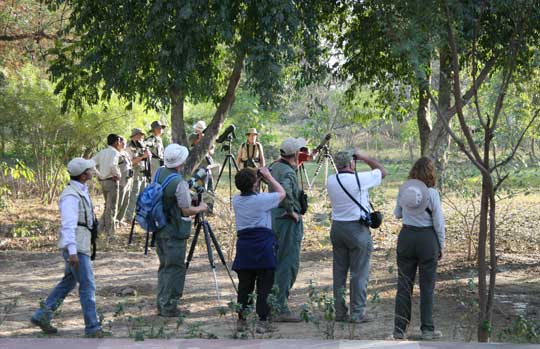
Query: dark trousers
[[416, 248], [247, 279]]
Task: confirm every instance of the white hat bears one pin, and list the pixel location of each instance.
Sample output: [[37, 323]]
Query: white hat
[[78, 165], [175, 155], [291, 146], [199, 126], [413, 196]]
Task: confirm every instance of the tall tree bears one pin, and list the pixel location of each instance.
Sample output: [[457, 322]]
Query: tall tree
[[164, 52]]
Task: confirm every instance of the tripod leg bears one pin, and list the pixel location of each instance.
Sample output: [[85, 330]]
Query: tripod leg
[[220, 254], [210, 255], [221, 172], [230, 184], [130, 240], [333, 163], [234, 163], [307, 179], [193, 244], [317, 170], [325, 171]]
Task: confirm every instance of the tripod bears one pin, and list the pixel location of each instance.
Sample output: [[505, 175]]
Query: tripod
[[229, 158], [324, 157], [302, 172], [202, 224]]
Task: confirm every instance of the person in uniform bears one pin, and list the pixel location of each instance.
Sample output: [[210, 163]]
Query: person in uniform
[[250, 154], [78, 220], [125, 183], [287, 224], [139, 156], [155, 145], [171, 240], [109, 176]]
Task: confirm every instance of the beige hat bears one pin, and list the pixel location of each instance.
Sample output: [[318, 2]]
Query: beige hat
[[136, 131], [199, 126], [175, 155], [413, 196], [343, 158], [291, 146], [252, 130], [78, 165]]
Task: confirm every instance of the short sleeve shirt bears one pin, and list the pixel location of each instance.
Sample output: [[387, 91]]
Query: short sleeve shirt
[[343, 208], [254, 210]]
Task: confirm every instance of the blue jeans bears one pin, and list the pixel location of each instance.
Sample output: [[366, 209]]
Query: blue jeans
[[83, 275]]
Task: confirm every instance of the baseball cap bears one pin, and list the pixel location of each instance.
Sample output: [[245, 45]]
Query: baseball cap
[[175, 155], [157, 124], [78, 165], [343, 158], [291, 146]]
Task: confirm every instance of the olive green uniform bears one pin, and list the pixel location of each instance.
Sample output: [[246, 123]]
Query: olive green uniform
[[155, 145], [135, 149], [171, 244], [289, 234]]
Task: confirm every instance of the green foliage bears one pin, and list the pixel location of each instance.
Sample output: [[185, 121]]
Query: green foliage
[[521, 330]]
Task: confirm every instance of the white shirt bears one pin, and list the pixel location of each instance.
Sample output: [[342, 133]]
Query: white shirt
[[69, 213], [424, 219], [343, 208], [107, 163]]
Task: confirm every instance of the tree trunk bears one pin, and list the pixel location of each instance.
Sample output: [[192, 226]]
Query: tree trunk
[[177, 116], [423, 119], [483, 322], [198, 152], [439, 139]]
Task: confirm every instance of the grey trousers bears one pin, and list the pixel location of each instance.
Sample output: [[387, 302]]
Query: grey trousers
[[417, 248], [137, 186], [110, 193], [351, 248], [124, 191]]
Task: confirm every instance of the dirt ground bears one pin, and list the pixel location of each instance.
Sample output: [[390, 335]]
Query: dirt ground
[[126, 280]]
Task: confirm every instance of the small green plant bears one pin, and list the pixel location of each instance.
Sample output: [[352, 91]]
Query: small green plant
[[8, 307], [320, 311], [521, 330]]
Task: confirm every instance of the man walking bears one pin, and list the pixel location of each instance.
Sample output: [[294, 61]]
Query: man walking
[[350, 235], [287, 224], [78, 220], [155, 145], [109, 176], [171, 241], [139, 156]]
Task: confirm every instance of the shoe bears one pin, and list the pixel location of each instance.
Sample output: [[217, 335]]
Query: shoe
[[260, 328], [287, 317], [241, 326], [99, 334], [360, 320], [45, 326], [399, 335], [431, 335]]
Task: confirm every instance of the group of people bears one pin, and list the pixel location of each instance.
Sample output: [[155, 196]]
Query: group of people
[[269, 228]]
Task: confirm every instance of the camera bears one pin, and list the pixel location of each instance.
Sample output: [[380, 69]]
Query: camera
[[324, 142], [197, 181]]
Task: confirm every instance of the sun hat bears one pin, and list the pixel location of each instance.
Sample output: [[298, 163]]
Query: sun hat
[[291, 146], [199, 126], [136, 131], [157, 124], [78, 165], [413, 196], [175, 155], [252, 130]]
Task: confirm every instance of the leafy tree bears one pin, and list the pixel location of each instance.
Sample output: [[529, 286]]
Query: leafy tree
[[166, 52]]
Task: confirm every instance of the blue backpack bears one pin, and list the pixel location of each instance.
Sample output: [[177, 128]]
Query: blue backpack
[[150, 214]]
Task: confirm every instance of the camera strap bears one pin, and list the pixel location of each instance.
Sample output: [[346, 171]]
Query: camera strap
[[349, 194], [87, 225]]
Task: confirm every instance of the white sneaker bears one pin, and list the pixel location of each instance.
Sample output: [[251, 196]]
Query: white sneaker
[[431, 335]]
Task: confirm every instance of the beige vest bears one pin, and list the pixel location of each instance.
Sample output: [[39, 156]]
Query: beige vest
[[82, 233]]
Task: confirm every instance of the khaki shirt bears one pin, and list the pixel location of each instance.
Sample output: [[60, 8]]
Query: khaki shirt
[[250, 155]]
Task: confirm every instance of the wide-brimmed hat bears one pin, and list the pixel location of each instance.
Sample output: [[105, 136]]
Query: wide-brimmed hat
[[199, 126], [78, 165], [136, 131], [252, 130], [175, 155], [413, 196], [291, 146]]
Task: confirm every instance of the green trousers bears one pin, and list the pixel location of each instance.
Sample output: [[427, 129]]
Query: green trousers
[[172, 271], [289, 235]]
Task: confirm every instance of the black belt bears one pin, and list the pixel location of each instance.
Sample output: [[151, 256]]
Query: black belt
[[106, 179]]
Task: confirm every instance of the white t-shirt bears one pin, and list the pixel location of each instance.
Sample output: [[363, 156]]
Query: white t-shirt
[[343, 208], [254, 210]]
